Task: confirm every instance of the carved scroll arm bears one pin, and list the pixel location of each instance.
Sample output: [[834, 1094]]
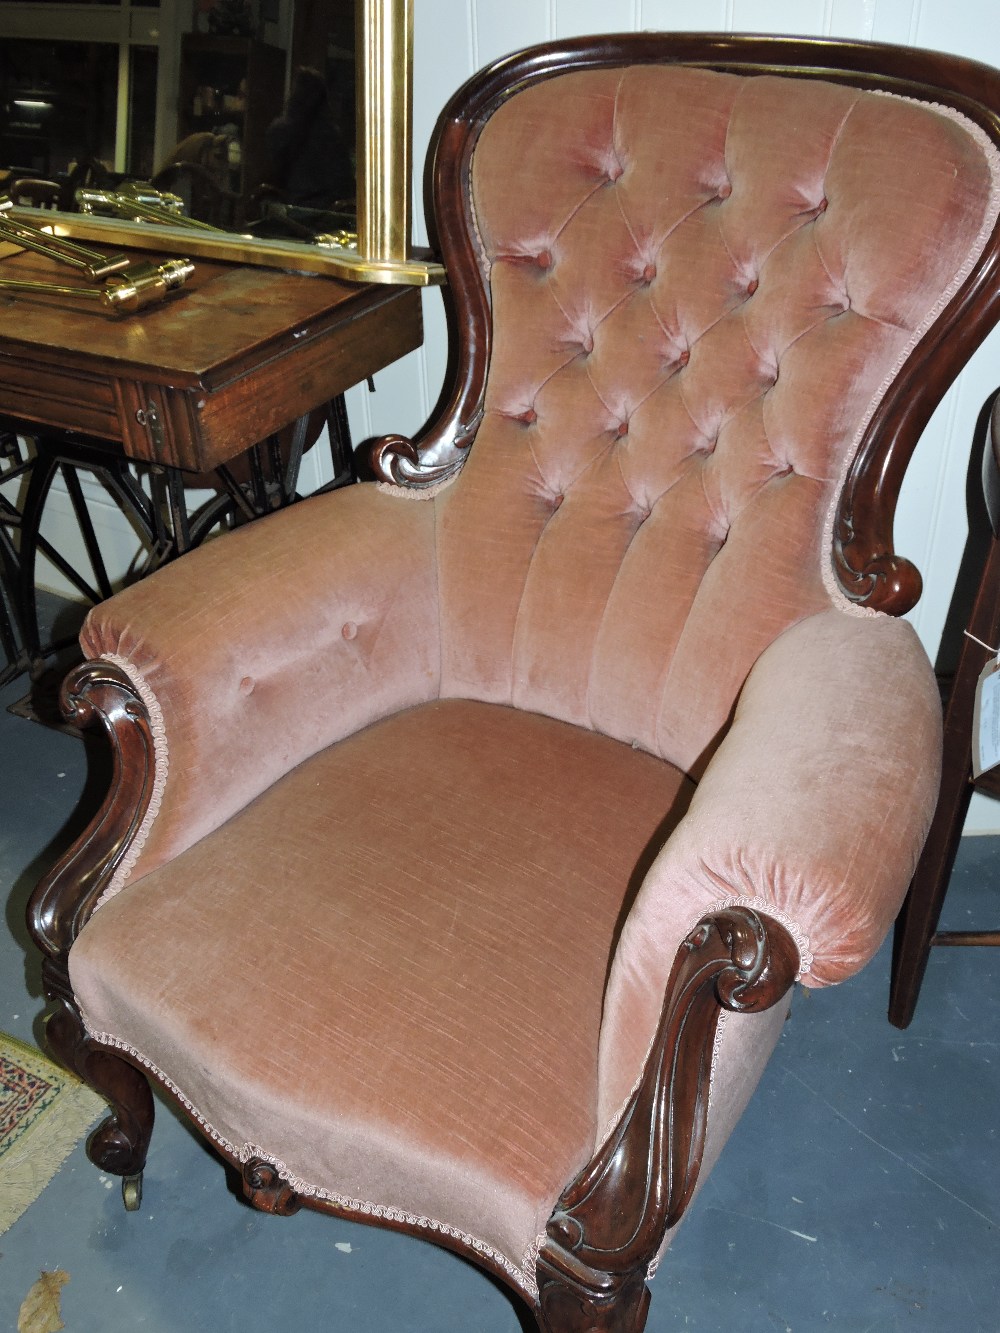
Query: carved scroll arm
[[610, 1221], [60, 906], [441, 450]]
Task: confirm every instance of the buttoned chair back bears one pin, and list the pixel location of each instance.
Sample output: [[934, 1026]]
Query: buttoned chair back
[[701, 287]]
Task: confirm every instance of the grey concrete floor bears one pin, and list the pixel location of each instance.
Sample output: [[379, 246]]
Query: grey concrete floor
[[861, 1191]]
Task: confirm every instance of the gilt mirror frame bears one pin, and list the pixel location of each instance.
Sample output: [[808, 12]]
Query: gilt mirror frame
[[380, 251]]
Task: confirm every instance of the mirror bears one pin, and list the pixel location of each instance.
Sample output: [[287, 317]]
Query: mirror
[[376, 248]]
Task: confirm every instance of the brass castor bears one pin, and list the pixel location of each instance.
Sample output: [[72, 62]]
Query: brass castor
[[132, 1192]]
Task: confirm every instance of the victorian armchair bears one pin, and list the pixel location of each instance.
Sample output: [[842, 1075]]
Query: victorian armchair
[[468, 830]]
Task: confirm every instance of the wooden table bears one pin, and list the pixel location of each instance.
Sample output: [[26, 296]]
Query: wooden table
[[225, 362], [222, 363]]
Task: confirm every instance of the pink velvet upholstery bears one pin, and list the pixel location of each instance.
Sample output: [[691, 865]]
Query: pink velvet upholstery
[[700, 284], [451, 931], [779, 822], [257, 653], [444, 899]]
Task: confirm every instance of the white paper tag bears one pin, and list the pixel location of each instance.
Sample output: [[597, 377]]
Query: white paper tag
[[986, 720]]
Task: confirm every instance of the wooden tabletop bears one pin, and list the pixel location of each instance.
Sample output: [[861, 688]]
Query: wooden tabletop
[[230, 357]]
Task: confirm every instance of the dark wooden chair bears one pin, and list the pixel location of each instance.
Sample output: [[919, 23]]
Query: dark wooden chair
[[610, 664], [917, 928], [206, 199], [31, 192]]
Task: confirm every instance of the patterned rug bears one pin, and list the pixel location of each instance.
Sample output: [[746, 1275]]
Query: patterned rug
[[44, 1112]]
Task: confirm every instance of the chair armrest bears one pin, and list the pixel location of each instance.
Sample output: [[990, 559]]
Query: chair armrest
[[813, 811], [261, 648]]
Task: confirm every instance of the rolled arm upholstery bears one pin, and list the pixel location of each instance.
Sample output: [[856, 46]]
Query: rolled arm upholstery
[[257, 650], [813, 811]]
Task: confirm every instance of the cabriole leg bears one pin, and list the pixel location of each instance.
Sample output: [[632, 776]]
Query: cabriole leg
[[566, 1307], [119, 1143]]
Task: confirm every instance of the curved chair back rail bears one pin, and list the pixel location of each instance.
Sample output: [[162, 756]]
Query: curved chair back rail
[[865, 561]]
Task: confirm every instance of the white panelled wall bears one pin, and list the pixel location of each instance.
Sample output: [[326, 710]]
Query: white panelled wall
[[453, 38]]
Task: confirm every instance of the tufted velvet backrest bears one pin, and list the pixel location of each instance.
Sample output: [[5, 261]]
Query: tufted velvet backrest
[[701, 285]]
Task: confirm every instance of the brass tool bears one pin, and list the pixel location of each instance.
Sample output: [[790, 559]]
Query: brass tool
[[139, 205], [124, 286], [91, 263], [344, 240], [147, 194], [139, 286]]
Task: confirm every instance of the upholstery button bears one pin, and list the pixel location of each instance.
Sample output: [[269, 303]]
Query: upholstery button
[[528, 416], [587, 344], [752, 286], [622, 429], [350, 631], [247, 684], [544, 259], [821, 207], [683, 357], [649, 273], [724, 190], [615, 171], [556, 501]]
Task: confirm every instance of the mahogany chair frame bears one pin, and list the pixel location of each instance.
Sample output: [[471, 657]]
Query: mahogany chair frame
[[609, 1224], [917, 928]]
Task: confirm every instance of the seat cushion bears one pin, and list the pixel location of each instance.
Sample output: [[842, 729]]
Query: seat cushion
[[386, 974]]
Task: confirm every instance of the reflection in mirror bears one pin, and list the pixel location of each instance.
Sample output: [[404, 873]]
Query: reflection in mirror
[[58, 105], [283, 122]]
